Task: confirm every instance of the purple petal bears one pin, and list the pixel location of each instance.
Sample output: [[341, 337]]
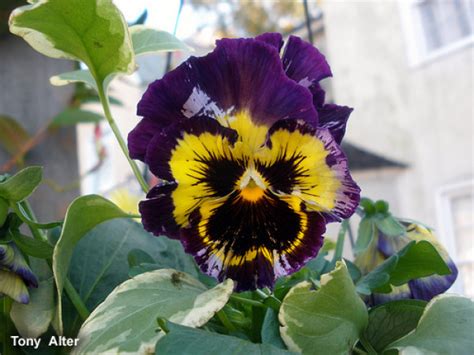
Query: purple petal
[[252, 244], [398, 293], [330, 171], [311, 243], [160, 148], [426, 288], [240, 74], [348, 195], [318, 96], [274, 39], [140, 137], [12, 259], [334, 118], [388, 246], [304, 63], [157, 211]]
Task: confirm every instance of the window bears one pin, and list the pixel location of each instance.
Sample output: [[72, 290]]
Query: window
[[456, 222], [436, 27]]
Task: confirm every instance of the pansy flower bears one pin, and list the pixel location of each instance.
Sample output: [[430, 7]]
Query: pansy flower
[[15, 274], [424, 288], [248, 156]]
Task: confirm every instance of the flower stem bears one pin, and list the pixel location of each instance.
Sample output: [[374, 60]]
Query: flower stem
[[20, 212], [76, 300], [367, 346], [70, 290], [268, 299], [29, 213], [340, 241], [247, 301], [225, 321], [8, 327], [104, 99], [359, 351]]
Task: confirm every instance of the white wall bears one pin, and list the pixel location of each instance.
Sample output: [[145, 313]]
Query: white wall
[[421, 116], [115, 172]]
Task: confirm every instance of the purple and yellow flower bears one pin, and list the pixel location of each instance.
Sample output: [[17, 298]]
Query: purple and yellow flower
[[249, 157], [424, 288], [15, 274]]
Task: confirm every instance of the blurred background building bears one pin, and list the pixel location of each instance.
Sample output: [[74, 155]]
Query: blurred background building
[[27, 104], [406, 67]]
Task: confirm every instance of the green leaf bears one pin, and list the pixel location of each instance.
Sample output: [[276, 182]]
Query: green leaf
[[33, 319], [136, 270], [3, 211], [136, 257], [381, 206], [188, 341], [99, 262], [83, 214], [171, 255], [388, 225], [33, 247], [73, 116], [91, 31], [419, 260], [12, 135], [379, 278], [391, 321], [328, 245], [415, 260], [444, 328], [368, 205], [22, 184], [134, 306], [271, 330], [365, 235], [148, 40], [329, 319], [353, 270], [77, 76]]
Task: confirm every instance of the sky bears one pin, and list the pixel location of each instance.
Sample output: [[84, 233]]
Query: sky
[[162, 15]]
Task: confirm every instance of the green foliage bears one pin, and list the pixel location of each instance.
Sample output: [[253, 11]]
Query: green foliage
[[391, 321], [13, 135], [33, 247], [93, 32], [271, 330], [188, 341], [33, 319], [415, 260], [376, 218], [99, 261], [100, 247], [74, 116], [148, 40], [137, 256], [444, 328], [171, 255], [365, 235], [83, 214], [368, 205], [3, 211], [22, 184], [332, 319], [388, 225], [381, 206], [77, 76], [12, 285], [134, 306]]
